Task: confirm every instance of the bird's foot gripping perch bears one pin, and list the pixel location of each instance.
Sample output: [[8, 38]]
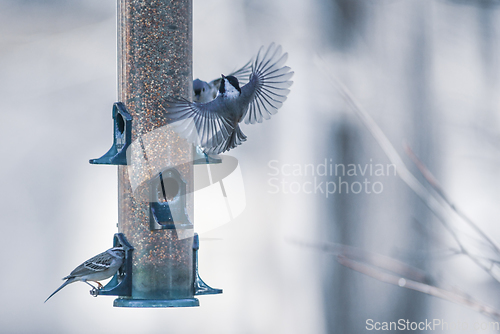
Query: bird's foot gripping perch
[[95, 291]]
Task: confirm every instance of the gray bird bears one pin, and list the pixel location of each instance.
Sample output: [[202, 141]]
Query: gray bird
[[207, 91], [98, 268], [214, 125]]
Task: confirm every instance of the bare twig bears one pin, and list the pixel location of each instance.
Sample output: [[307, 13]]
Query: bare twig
[[431, 201], [453, 296], [377, 260], [437, 187], [392, 271]]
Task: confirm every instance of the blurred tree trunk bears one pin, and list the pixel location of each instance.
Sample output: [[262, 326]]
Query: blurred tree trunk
[[380, 223]]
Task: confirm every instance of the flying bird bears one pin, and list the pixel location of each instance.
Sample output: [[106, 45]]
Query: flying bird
[[214, 125]]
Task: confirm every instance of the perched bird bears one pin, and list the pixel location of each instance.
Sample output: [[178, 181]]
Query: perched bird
[[204, 92], [98, 268], [214, 125]]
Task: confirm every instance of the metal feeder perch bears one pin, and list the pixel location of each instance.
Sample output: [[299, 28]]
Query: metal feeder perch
[[121, 283], [201, 158], [200, 287], [168, 205], [122, 137]]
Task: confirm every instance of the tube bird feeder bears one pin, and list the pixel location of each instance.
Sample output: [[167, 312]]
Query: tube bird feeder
[[155, 165]]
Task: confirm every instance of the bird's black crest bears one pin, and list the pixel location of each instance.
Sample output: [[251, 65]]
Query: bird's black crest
[[232, 80]]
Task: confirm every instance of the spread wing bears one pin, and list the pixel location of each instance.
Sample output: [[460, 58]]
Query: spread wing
[[199, 123], [268, 86]]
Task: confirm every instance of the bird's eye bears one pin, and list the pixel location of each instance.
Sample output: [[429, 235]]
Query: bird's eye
[[203, 88]]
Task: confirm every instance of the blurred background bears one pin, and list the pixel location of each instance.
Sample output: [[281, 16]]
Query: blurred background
[[427, 71]]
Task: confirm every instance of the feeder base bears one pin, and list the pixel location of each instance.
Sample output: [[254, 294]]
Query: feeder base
[[128, 302]]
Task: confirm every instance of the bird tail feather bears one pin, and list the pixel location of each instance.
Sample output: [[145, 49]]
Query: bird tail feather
[[69, 280], [237, 137]]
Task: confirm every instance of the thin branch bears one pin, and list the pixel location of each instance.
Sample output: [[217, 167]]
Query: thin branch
[[392, 271], [362, 255], [403, 172], [453, 296], [437, 187]]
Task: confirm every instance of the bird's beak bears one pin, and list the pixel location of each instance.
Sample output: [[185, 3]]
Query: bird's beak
[[223, 77]]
